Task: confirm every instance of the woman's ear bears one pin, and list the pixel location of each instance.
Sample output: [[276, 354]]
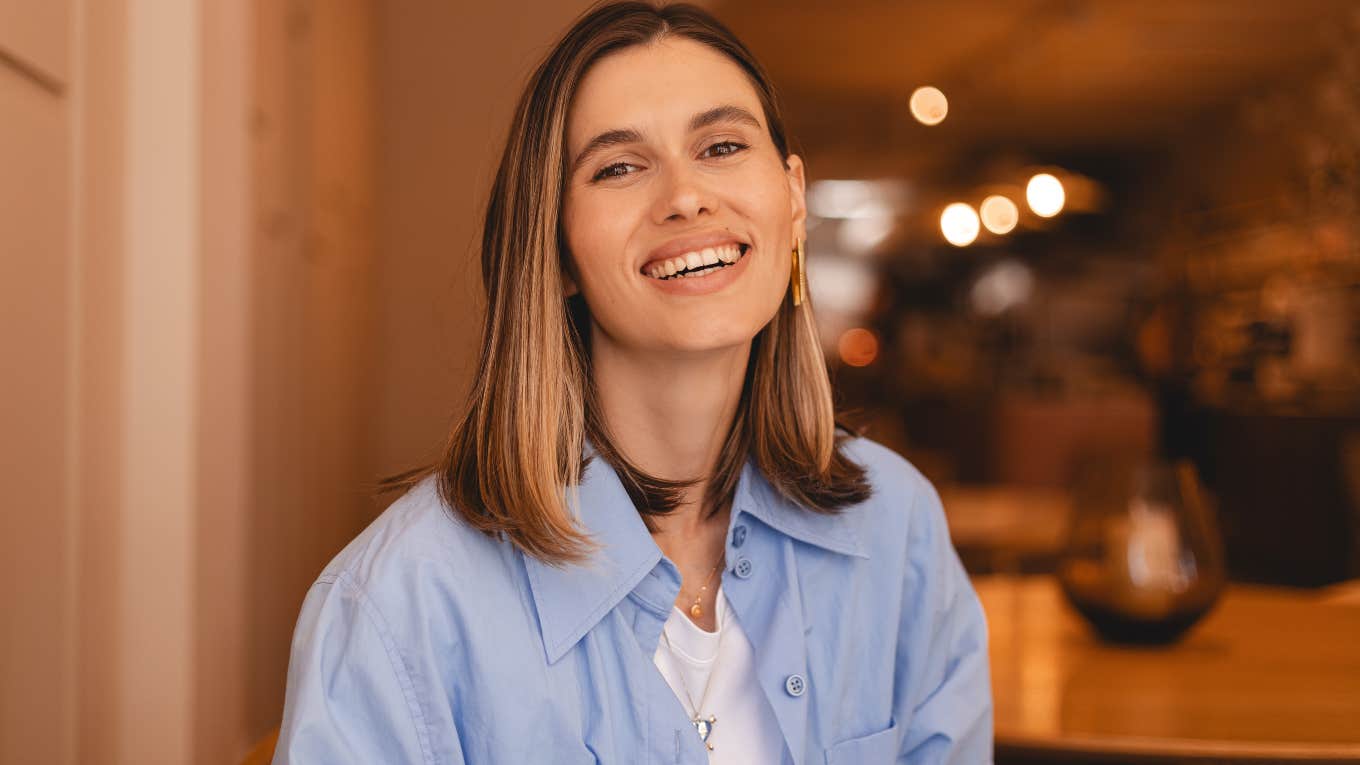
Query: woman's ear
[[793, 168]]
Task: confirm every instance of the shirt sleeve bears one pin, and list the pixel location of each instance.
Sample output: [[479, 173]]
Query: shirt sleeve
[[942, 649], [349, 697]]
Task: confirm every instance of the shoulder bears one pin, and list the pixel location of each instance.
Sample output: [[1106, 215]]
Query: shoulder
[[888, 472], [420, 548], [904, 504], [418, 529]]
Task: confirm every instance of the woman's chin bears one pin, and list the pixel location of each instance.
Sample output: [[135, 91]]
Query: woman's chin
[[704, 326], [702, 342], [716, 326]]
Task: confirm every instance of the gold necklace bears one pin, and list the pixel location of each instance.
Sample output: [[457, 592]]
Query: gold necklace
[[697, 610], [704, 727]]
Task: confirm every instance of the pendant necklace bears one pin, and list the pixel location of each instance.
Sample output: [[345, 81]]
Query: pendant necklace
[[697, 610], [703, 726]]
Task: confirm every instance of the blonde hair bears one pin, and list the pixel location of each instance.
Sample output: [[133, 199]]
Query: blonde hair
[[532, 405]]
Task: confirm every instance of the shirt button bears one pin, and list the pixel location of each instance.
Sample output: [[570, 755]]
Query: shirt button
[[739, 536], [744, 568], [795, 685]]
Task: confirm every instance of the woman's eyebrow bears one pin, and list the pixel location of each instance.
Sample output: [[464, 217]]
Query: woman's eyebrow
[[724, 113], [701, 120]]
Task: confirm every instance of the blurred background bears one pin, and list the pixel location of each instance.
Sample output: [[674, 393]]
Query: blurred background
[[238, 283]]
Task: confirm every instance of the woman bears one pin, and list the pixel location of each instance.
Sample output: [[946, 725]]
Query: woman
[[652, 409]]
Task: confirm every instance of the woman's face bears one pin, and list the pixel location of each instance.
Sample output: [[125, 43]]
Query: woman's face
[[679, 213]]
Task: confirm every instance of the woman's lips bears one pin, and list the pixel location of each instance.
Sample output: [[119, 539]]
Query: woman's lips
[[712, 280], [695, 264], [695, 241]]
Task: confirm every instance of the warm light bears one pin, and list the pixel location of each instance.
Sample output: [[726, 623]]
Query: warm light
[[845, 286], [1045, 195], [959, 224], [861, 235], [857, 198], [1005, 285], [999, 214], [858, 347], [929, 106]]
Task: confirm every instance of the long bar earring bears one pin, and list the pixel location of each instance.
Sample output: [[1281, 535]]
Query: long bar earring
[[799, 276]]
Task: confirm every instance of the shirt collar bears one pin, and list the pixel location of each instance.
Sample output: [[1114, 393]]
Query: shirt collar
[[573, 598], [838, 532]]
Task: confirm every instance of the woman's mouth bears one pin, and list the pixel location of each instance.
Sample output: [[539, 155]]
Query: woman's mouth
[[697, 264]]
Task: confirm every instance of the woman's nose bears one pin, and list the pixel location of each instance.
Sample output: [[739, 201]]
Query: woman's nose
[[683, 193]]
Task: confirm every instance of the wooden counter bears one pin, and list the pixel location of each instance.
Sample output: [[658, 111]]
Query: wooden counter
[[1270, 675]]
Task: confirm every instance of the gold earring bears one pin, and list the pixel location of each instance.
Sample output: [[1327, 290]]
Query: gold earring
[[799, 275]]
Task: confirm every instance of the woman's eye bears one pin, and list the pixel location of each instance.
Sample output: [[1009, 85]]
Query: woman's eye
[[605, 171], [733, 148], [728, 148]]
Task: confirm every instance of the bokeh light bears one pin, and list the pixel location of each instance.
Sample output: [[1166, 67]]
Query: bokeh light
[[1005, 285], [858, 347], [999, 214], [1045, 195], [861, 235], [929, 106], [959, 224]]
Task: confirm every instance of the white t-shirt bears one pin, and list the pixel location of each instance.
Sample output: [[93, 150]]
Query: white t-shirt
[[746, 731]]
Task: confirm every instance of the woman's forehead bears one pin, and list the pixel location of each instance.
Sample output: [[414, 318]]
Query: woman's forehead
[[658, 86]]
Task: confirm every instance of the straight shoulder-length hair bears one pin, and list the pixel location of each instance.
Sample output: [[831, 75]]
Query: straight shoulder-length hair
[[519, 443]]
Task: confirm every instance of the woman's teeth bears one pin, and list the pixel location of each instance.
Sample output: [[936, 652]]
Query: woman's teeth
[[697, 263]]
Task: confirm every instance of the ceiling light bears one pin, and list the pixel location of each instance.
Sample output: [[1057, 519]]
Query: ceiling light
[[999, 214], [959, 224], [1045, 195], [928, 105]]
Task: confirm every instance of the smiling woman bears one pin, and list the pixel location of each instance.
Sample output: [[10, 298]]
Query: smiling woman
[[692, 184], [652, 407]]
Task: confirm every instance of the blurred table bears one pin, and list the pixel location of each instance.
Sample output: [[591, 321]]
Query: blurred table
[[1270, 675], [1006, 528]]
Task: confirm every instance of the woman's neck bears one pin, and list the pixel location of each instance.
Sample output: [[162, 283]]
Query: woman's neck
[[669, 415]]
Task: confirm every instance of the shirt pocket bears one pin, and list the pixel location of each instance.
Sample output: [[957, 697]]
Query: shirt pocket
[[878, 748]]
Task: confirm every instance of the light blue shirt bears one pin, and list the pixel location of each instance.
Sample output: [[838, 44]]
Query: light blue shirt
[[425, 641]]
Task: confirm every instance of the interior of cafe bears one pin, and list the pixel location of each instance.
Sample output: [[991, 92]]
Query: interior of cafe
[[1092, 266]]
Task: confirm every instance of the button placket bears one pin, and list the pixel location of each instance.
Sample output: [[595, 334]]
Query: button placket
[[765, 601]]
